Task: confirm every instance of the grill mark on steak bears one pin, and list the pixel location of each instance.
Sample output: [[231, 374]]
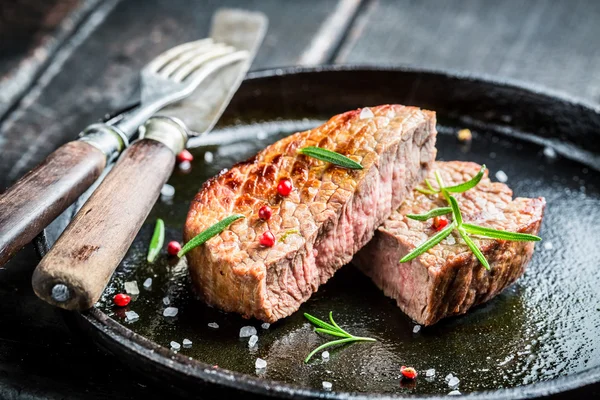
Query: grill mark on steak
[[448, 279], [336, 210]]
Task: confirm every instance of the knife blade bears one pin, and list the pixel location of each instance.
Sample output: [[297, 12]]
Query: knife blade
[[76, 270]]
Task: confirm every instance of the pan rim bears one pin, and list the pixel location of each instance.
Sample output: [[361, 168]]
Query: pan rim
[[156, 354]]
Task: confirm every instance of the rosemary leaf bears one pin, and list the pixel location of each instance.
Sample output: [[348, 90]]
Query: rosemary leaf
[[332, 333], [428, 244], [336, 325], [205, 235], [330, 156], [430, 187], [498, 234], [439, 179], [157, 241], [474, 248], [424, 191], [318, 322], [470, 184], [433, 213], [455, 210], [329, 344]]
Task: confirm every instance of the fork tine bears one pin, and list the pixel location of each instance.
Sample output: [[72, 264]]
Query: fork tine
[[212, 61], [197, 70], [158, 62], [175, 63]]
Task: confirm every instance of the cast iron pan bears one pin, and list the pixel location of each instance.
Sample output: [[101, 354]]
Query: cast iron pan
[[539, 338]]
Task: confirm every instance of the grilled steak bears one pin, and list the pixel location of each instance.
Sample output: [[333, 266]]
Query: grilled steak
[[330, 214], [448, 279]]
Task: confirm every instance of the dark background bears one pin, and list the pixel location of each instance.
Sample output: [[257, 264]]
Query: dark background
[[65, 63]]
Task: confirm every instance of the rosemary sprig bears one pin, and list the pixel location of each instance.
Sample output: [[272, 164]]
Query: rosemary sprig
[[157, 241], [332, 329], [465, 230], [208, 233], [330, 156]]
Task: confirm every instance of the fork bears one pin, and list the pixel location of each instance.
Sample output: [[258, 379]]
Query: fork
[[41, 195]]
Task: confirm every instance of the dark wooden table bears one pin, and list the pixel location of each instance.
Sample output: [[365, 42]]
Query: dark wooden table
[[65, 63]]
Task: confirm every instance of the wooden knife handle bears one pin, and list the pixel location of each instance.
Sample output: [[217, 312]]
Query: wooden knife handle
[[76, 270], [40, 196]]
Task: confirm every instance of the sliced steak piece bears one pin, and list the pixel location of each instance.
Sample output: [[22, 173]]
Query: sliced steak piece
[[448, 279], [330, 214]]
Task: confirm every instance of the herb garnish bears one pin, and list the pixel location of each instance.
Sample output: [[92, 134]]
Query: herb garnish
[[465, 230], [332, 329], [330, 156], [156, 243], [208, 233]]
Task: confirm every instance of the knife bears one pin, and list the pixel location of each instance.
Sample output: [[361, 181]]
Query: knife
[[74, 273]]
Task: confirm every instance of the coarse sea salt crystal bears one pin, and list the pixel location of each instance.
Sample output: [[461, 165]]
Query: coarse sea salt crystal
[[166, 301], [265, 325], [187, 343], [185, 165], [260, 363], [213, 325], [453, 382], [448, 377], [131, 316], [430, 372], [454, 393], [416, 328], [247, 331], [167, 191], [548, 245], [327, 385], [501, 176], [170, 311], [148, 283], [549, 152], [366, 113], [131, 288], [175, 346], [252, 341], [208, 157], [325, 355]]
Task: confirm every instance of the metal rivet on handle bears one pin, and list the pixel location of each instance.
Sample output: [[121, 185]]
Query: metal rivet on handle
[[60, 293]]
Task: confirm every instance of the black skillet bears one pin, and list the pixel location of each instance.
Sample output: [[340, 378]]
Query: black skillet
[[539, 339]]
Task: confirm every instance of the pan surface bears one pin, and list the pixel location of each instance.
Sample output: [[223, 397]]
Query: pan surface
[[538, 338]]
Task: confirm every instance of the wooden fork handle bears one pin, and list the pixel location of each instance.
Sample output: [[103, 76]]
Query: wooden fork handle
[[76, 270], [40, 196]]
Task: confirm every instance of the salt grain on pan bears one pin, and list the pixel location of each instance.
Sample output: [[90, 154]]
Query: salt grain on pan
[[131, 316], [247, 331], [166, 301], [366, 113], [448, 377], [213, 325], [260, 363], [453, 382], [253, 340], [327, 385], [454, 393], [549, 152], [185, 165], [175, 346], [131, 288], [208, 157], [148, 283], [430, 372], [548, 246], [265, 325], [167, 191], [501, 176], [170, 311], [325, 355], [416, 328], [187, 343]]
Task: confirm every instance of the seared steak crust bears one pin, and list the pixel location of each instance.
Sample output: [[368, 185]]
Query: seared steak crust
[[331, 213], [448, 279]]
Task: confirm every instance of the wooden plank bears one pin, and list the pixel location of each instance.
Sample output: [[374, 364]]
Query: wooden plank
[[99, 71], [544, 42], [30, 34]]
